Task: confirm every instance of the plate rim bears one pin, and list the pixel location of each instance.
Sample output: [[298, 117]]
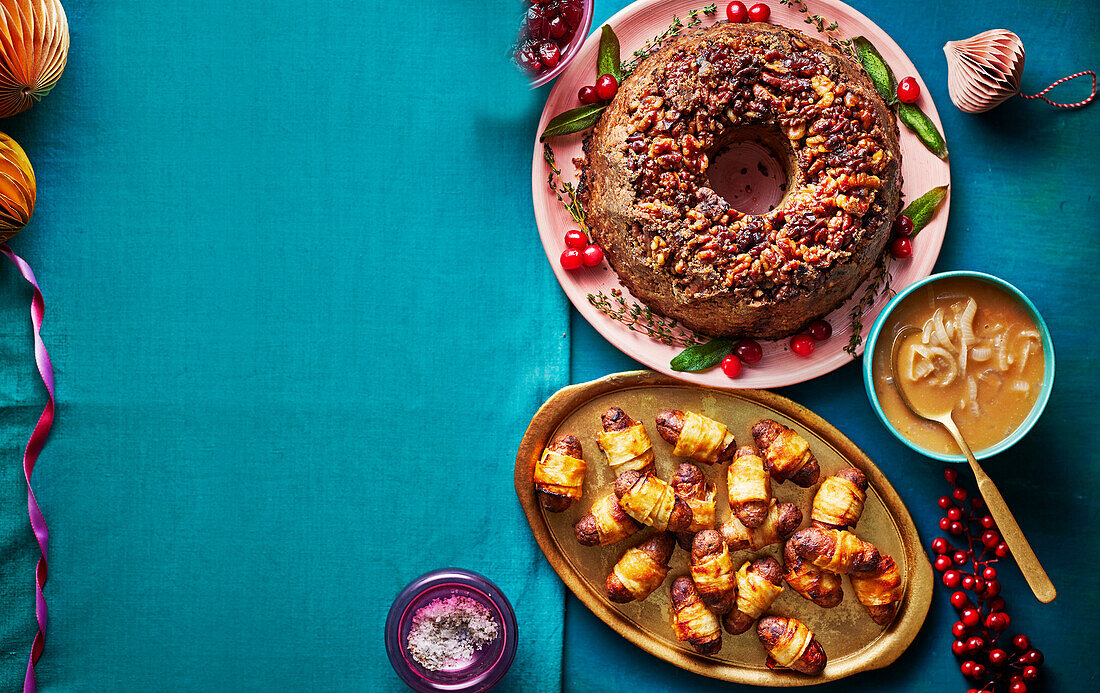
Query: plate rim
[[779, 375], [880, 653]]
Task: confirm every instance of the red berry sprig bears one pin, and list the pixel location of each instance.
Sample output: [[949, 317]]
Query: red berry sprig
[[976, 596], [804, 343], [579, 252], [902, 245]]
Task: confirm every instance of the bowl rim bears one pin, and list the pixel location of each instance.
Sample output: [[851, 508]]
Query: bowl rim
[[1036, 409], [571, 48]]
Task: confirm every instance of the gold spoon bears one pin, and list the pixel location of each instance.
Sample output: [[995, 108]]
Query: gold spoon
[[1033, 572]]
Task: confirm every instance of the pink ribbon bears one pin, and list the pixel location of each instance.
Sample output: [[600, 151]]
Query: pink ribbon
[[30, 456], [1078, 104]]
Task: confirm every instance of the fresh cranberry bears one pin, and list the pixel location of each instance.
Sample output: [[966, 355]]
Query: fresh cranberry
[[908, 90], [575, 239], [959, 600], [820, 330], [940, 545], [549, 54], [901, 248], [951, 579], [588, 95], [1030, 673], [592, 255], [903, 226], [1021, 642], [950, 474], [571, 259], [959, 494], [731, 366], [946, 502], [606, 87], [737, 13], [748, 351], [759, 12], [942, 563], [802, 344]]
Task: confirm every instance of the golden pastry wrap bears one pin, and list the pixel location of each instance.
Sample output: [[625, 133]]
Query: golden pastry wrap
[[821, 587], [701, 495], [712, 571], [701, 438], [651, 501], [627, 449], [641, 570], [786, 453], [839, 500], [835, 550], [755, 592], [560, 474], [749, 487], [879, 590], [791, 645], [692, 621], [606, 523], [781, 520]]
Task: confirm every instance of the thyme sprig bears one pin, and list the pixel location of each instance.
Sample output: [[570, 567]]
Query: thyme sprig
[[564, 190], [880, 284], [643, 320], [823, 26], [675, 29]]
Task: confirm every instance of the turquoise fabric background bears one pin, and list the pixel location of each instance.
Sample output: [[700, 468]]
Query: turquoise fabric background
[[300, 319]]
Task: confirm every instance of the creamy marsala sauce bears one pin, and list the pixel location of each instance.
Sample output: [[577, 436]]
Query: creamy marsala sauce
[[978, 353]]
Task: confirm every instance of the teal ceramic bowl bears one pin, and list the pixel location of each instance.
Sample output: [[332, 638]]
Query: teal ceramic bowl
[[1048, 372]]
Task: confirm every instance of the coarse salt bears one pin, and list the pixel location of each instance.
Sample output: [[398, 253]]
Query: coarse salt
[[446, 632]]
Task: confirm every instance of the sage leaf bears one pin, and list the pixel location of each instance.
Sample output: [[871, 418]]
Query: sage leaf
[[699, 357], [607, 62], [880, 73], [573, 120], [922, 125], [922, 209]]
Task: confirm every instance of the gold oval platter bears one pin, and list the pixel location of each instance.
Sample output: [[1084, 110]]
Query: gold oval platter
[[851, 640]]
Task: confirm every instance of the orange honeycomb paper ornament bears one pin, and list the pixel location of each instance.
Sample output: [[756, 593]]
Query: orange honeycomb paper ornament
[[17, 188], [34, 45]]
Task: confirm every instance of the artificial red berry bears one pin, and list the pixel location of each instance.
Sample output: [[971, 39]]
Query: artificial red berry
[[1015, 678], [998, 658], [942, 563], [987, 521], [748, 351], [571, 259], [759, 12], [940, 545], [908, 90], [1017, 687], [951, 579], [903, 226], [950, 475], [901, 248], [997, 604], [731, 366], [1021, 642], [1001, 551], [990, 538], [606, 87], [959, 494], [960, 557], [977, 503], [992, 588], [802, 344], [549, 54], [967, 668], [592, 255], [944, 523], [958, 648], [1030, 673], [978, 671], [970, 617], [997, 621], [946, 502], [736, 12], [588, 95], [968, 582], [989, 573], [959, 600], [959, 629], [575, 239], [1035, 657], [974, 643], [954, 514], [956, 528], [820, 330]]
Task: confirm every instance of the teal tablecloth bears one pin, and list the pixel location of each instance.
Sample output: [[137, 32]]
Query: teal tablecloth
[[300, 318]]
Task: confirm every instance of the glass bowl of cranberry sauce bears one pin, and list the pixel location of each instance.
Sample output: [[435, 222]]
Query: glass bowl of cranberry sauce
[[551, 33]]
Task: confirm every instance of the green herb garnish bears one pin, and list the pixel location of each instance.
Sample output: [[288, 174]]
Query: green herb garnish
[[700, 357], [573, 120], [922, 209]]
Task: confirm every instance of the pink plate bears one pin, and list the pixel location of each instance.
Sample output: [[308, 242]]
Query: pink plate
[[921, 171]]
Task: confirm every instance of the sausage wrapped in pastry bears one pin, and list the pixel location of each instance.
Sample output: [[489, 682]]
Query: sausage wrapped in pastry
[[791, 645], [712, 571], [625, 442], [835, 550], [641, 570], [786, 454], [559, 474], [780, 522], [605, 524], [695, 436], [759, 583], [700, 495], [750, 487], [879, 590], [839, 500], [819, 586], [692, 621], [652, 502]]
